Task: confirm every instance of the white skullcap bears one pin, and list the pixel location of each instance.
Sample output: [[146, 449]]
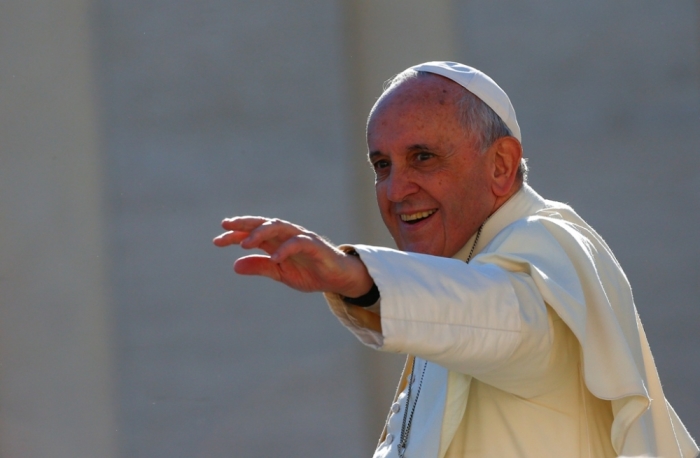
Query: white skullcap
[[479, 84]]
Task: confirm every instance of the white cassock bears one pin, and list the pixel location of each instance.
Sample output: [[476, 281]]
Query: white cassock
[[533, 349]]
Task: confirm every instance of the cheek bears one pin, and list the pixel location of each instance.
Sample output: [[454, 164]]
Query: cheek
[[383, 204], [460, 200], [380, 195]]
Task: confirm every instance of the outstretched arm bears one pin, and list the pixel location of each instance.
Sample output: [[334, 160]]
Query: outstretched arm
[[294, 256]]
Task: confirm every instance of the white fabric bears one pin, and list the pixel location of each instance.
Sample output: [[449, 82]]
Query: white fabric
[[488, 321], [479, 84], [427, 420]]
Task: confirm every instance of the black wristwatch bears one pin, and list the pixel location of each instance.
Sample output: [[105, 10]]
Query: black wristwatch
[[367, 299]]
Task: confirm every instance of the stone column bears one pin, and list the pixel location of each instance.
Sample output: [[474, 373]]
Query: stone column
[[55, 388], [383, 38]]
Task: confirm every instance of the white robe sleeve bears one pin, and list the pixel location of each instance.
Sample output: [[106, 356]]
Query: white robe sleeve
[[475, 319]]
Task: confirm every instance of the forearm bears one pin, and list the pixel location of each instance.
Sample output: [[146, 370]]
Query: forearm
[[479, 320]]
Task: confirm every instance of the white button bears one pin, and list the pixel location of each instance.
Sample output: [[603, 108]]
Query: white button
[[389, 439], [395, 407]]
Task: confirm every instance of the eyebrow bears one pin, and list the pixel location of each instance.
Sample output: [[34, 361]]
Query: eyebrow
[[412, 148], [419, 147]]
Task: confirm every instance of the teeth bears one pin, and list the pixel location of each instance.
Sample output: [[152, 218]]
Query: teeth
[[415, 216]]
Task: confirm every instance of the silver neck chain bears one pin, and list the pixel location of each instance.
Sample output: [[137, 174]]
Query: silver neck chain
[[408, 419]]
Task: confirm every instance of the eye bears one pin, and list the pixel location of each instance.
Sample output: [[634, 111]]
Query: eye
[[380, 164], [424, 156]]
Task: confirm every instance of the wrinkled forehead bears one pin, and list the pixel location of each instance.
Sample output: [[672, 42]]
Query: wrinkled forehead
[[424, 111], [423, 91]]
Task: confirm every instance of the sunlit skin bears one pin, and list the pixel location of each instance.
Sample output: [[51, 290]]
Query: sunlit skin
[[294, 256], [425, 161], [298, 258]]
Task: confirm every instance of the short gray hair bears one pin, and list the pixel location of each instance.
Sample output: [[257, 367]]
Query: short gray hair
[[476, 116]]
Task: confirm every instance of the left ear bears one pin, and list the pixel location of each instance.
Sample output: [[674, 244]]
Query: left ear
[[506, 153]]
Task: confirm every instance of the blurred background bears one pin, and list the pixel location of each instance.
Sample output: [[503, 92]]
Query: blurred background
[[130, 128]]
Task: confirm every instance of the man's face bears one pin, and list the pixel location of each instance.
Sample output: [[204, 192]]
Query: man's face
[[432, 185]]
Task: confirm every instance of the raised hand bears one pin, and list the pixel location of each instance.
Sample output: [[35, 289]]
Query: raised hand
[[295, 256]]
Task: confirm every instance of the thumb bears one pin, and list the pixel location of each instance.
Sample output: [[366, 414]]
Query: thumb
[[257, 265]]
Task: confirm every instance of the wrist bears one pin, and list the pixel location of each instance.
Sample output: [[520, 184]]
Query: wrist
[[369, 298], [363, 288]]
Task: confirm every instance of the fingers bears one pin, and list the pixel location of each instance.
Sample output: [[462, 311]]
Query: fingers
[[299, 244], [243, 223], [230, 238], [238, 228], [271, 234], [257, 265], [256, 232], [296, 257]]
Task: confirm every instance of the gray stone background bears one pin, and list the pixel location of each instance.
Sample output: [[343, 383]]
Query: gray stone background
[[129, 129]]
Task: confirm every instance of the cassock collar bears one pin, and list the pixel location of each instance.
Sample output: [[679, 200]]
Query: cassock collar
[[526, 202]]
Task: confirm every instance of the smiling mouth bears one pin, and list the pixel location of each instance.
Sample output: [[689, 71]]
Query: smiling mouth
[[417, 217]]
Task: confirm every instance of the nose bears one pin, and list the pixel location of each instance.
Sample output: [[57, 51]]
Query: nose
[[399, 185]]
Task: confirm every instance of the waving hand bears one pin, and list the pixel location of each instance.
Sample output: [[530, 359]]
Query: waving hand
[[295, 256]]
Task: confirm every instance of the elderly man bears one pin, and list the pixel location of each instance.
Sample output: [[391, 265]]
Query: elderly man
[[522, 327]]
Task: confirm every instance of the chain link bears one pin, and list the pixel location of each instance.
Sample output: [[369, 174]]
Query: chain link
[[406, 428]]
